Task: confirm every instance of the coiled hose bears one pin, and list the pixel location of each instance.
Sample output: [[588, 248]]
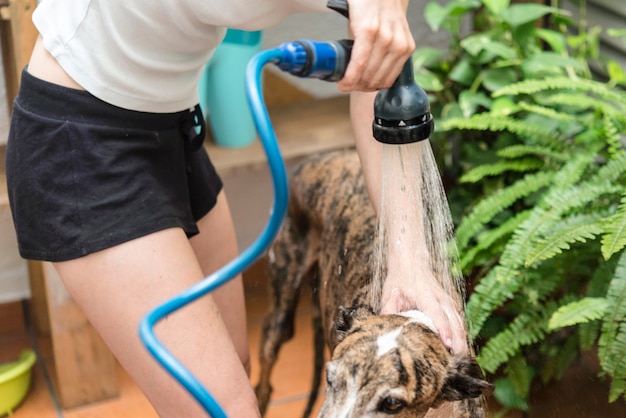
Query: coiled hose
[[245, 259]]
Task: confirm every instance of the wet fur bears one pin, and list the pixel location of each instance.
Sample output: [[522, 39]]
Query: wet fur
[[328, 240]]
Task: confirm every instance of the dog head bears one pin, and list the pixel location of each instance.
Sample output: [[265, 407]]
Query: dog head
[[395, 365]]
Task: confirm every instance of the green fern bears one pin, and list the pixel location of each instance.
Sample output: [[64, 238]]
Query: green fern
[[567, 232], [487, 238], [612, 344], [614, 238], [521, 374], [598, 286], [489, 170], [486, 209], [548, 112], [543, 166], [498, 123], [523, 150], [506, 279], [528, 328], [583, 103], [563, 83], [578, 312]]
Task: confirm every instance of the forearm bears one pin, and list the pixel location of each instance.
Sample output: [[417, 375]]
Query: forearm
[[401, 180]]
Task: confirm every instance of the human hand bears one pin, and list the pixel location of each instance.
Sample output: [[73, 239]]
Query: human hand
[[382, 44], [426, 295]]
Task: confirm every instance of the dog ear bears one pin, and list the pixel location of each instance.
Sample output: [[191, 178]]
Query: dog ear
[[465, 380], [346, 317]]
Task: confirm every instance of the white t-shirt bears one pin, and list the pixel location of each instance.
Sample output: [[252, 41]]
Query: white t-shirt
[[148, 55]]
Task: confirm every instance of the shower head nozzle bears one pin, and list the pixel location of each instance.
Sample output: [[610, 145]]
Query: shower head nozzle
[[402, 112]]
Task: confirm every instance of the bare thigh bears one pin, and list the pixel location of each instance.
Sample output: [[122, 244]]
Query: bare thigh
[[118, 286], [213, 254]]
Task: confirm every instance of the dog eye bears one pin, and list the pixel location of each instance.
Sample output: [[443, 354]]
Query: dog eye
[[391, 405]]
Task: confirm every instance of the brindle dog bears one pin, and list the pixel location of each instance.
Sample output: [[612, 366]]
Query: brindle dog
[[381, 364]]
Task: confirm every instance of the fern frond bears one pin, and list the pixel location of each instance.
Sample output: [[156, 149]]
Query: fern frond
[[612, 136], [486, 239], [584, 102], [490, 206], [560, 202], [567, 232], [612, 170], [498, 285], [522, 150], [588, 334], [578, 312], [614, 238], [598, 286], [573, 171], [498, 123], [489, 170], [520, 374], [561, 360], [563, 83], [527, 328], [505, 280], [618, 388], [612, 344], [548, 112]]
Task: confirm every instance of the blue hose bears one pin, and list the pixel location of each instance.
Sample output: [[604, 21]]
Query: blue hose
[[245, 259]]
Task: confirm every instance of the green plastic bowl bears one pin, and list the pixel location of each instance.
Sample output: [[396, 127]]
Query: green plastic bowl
[[15, 381]]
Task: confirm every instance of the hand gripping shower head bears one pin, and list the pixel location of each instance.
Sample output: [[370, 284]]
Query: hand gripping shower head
[[401, 112]]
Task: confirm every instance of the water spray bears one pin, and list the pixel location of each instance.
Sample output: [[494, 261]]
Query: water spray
[[402, 116]]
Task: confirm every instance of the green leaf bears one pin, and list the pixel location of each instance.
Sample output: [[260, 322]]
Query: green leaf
[[423, 57], [496, 6], [428, 80], [549, 63], [503, 106], [435, 14], [475, 44], [520, 14], [578, 312], [556, 40], [497, 78], [507, 396], [463, 72], [616, 73], [470, 102]]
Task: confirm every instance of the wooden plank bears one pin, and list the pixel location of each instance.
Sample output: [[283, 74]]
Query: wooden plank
[[18, 35], [85, 368], [38, 302]]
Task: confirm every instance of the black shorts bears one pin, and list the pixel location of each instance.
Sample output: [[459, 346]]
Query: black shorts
[[84, 175]]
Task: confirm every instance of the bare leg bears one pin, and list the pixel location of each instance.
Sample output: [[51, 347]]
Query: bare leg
[[117, 286], [214, 253]]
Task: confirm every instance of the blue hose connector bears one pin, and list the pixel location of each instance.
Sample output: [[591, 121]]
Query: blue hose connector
[[314, 59]]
